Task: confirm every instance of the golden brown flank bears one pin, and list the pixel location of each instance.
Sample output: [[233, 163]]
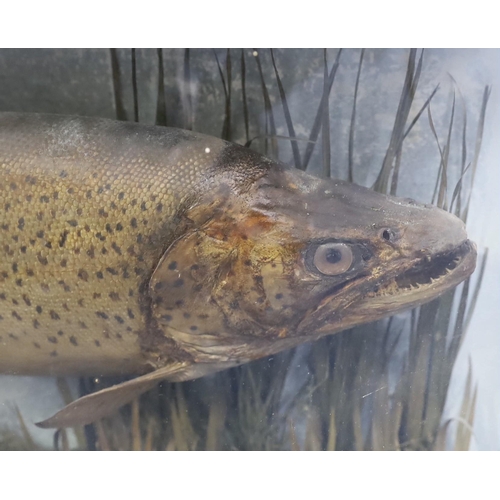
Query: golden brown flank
[[87, 207]]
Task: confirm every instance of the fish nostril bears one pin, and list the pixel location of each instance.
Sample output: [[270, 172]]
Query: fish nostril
[[388, 235]]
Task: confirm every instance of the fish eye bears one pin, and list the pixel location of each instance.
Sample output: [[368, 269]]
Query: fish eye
[[333, 258]]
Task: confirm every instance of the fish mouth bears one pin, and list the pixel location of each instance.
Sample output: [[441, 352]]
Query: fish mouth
[[428, 276]]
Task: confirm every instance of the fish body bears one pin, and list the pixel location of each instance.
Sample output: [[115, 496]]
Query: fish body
[[132, 249]]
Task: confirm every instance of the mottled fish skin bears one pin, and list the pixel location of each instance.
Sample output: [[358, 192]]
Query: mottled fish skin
[[132, 249], [87, 206]]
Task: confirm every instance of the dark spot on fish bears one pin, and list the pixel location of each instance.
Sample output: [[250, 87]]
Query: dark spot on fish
[[16, 315], [99, 275], [260, 300], [198, 287], [139, 238], [97, 343], [55, 195], [178, 283], [119, 319], [187, 315], [112, 271], [172, 265], [13, 336], [195, 267], [5, 227], [2, 296], [130, 313], [91, 252], [65, 306], [143, 206], [45, 287], [48, 244], [15, 302], [102, 315], [102, 212], [88, 194], [116, 248], [62, 239], [60, 333], [96, 295], [203, 316], [52, 339], [119, 227], [100, 236], [39, 309], [114, 296], [37, 345], [83, 275], [14, 267], [44, 199], [106, 334], [159, 285], [53, 354], [278, 296], [109, 229], [133, 222], [80, 303], [13, 186], [70, 191], [73, 340], [63, 174], [179, 303], [54, 315], [30, 272], [193, 328], [234, 305], [19, 282], [159, 207], [36, 323], [119, 336], [27, 300], [166, 317], [121, 195]]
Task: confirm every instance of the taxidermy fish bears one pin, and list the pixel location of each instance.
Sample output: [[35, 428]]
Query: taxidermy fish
[[131, 249]]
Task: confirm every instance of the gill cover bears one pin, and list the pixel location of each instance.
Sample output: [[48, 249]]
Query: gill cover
[[226, 279]]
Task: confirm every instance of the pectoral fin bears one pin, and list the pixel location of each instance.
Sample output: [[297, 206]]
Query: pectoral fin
[[102, 403]]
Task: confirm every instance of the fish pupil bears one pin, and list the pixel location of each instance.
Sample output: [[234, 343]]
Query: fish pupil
[[333, 256]]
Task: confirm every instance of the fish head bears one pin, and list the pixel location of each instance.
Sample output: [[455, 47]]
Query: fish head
[[290, 257]]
